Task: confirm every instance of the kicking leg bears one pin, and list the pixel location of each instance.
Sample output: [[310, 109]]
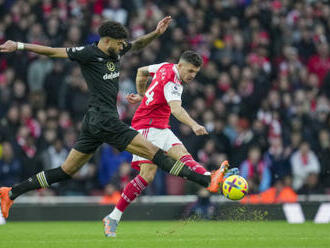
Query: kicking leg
[[144, 148], [43, 179], [179, 152], [132, 190]]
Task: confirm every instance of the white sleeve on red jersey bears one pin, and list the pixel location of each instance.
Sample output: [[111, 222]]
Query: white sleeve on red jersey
[[172, 91], [152, 69]]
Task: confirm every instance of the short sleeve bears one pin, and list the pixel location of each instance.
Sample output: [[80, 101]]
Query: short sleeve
[[127, 47], [79, 54], [173, 91], [152, 69]]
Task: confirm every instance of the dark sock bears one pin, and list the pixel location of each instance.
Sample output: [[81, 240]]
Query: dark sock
[[41, 180], [177, 168]]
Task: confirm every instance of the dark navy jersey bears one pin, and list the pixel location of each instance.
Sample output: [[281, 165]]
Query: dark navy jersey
[[101, 73]]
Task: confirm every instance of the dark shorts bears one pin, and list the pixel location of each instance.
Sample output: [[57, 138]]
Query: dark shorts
[[103, 127]]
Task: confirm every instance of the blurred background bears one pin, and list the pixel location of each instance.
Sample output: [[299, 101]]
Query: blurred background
[[262, 93]]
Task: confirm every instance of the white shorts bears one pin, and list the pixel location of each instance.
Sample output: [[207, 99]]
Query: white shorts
[[165, 139]]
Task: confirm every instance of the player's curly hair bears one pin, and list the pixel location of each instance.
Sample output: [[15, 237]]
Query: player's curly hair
[[113, 29], [192, 57]]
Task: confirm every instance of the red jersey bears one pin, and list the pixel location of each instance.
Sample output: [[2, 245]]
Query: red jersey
[[154, 110], [319, 66]]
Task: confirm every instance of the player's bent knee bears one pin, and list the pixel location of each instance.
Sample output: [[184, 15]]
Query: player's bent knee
[[148, 172], [178, 152]]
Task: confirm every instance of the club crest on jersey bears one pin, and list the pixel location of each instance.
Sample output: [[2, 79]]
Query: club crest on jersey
[[111, 66]]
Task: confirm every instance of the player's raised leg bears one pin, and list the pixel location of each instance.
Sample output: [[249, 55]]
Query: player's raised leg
[[217, 177], [43, 179], [179, 152], [144, 148]]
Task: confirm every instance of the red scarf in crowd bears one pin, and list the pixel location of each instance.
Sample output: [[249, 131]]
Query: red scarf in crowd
[[255, 169]]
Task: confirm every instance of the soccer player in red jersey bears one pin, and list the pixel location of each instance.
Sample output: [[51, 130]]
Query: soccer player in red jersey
[[159, 101]]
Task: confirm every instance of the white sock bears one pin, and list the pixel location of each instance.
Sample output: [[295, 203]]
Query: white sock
[[2, 219], [207, 173], [116, 214]]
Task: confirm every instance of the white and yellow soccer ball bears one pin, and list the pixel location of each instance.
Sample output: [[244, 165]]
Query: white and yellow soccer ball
[[235, 187]]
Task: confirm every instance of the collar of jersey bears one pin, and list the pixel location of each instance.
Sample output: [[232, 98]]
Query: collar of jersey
[[112, 57], [176, 72]]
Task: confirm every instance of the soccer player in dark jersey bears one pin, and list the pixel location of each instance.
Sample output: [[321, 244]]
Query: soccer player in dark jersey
[[100, 67]]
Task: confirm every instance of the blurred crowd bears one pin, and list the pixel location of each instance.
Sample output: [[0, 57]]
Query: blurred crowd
[[263, 92]]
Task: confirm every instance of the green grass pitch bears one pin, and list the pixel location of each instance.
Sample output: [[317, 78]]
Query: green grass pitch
[[169, 234]]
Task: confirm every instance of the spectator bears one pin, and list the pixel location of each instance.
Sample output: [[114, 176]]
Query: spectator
[[311, 185], [189, 139], [111, 195], [19, 92], [320, 63], [10, 168], [303, 162], [281, 192], [123, 176], [53, 83], [74, 93], [203, 208], [37, 72], [27, 152], [54, 156], [242, 142], [222, 142], [110, 162], [28, 121], [93, 35], [10, 124], [205, 154], [277, 159], [114, 12], [54, 32], [255, 171], [323, 152], [306, 47]]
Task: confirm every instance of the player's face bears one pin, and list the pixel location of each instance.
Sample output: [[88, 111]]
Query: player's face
[[187, 71], [115, 46]]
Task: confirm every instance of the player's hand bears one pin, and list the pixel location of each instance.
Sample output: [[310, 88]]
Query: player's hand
[[199, 130], [163, 25], [8, 47], [134, 98]]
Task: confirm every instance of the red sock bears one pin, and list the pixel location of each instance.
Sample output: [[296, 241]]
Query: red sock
[[192, 164], [131, 191]]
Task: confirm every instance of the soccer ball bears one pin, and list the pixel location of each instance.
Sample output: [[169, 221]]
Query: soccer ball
[[234, 187]]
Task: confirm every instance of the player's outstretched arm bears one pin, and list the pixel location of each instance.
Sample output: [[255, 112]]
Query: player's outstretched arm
[[12, 46], [181, 114], [144, 40]]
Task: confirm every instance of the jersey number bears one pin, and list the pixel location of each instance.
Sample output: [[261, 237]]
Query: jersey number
[[150, 94]]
